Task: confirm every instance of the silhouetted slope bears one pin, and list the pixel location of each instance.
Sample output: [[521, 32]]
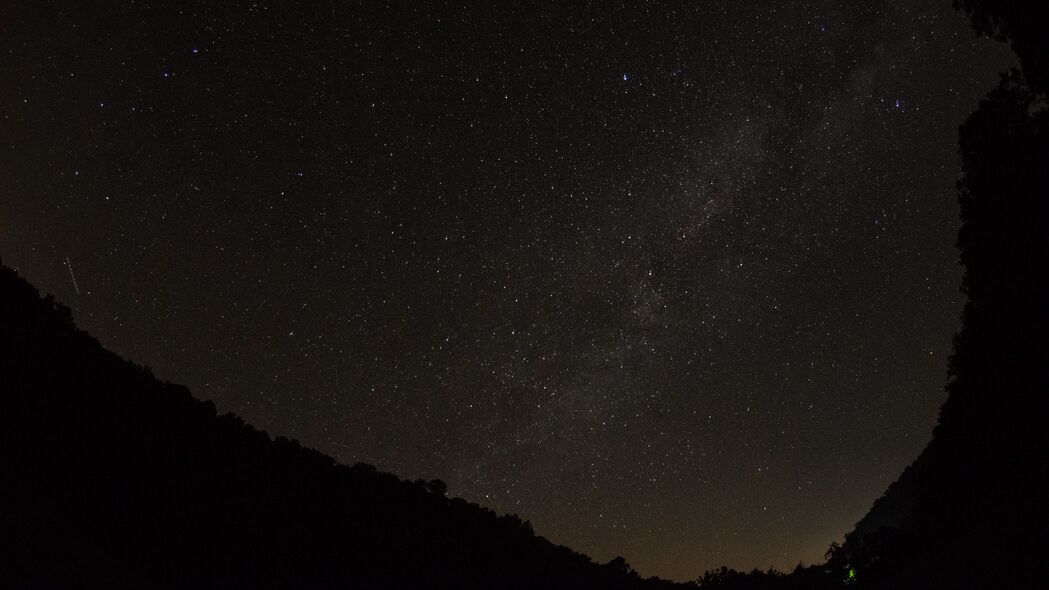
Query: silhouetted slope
[[110, 478], [970, 512]]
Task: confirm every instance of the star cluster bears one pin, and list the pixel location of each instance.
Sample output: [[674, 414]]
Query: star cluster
[[670, 280]]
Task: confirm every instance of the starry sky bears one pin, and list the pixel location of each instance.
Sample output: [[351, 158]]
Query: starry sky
[[672, 280]]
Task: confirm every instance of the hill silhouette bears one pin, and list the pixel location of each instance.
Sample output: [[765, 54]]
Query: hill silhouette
[[111, 478], [970, 511]]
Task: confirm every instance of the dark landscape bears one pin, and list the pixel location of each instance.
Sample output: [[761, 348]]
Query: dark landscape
[[567, 434]]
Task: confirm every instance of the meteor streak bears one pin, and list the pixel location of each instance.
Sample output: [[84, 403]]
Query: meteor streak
[[69, 265]]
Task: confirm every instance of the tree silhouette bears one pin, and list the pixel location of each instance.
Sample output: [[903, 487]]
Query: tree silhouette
[[1021, 23], [970, 511], [110, 478]]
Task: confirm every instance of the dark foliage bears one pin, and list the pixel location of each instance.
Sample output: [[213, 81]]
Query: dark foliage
[[817, 577], [1022, 23], [971, 512], [110, 478]]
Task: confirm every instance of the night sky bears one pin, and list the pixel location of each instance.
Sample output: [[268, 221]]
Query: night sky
[[671, 280]]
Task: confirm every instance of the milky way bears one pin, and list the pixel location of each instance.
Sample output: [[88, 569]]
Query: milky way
[[672, 281]]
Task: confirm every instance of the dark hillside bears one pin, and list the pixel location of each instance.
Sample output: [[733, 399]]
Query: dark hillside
[[110, 478], [970, 512]]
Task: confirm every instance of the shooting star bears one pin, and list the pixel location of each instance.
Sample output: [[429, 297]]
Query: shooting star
[[69, 265]]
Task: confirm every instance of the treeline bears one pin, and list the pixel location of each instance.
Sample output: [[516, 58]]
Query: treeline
[[970, 512], [110, 478]]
